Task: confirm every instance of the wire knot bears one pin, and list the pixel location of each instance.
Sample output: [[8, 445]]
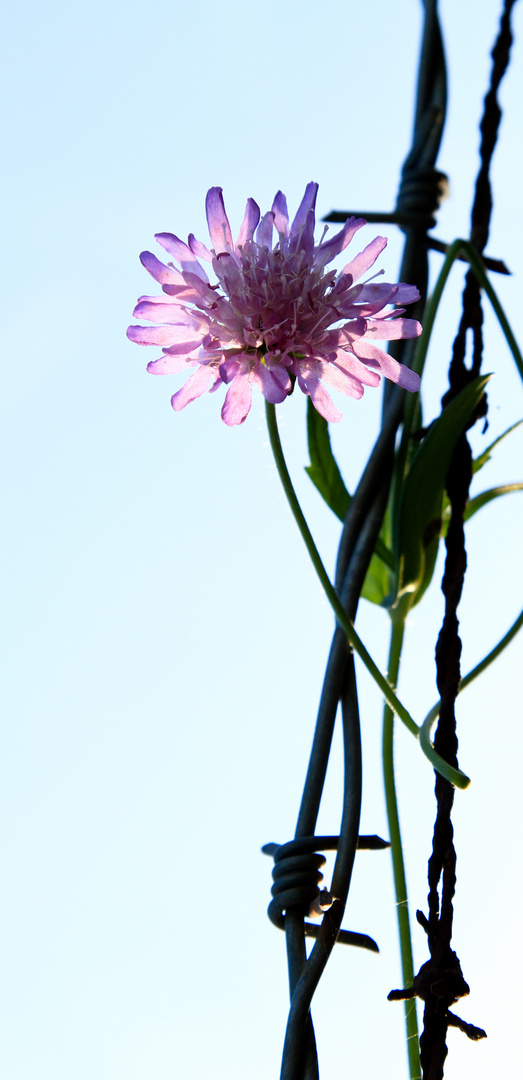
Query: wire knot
[[296, 876], [421, 191]]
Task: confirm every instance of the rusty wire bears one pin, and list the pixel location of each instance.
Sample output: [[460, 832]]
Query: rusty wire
[[440, 981]]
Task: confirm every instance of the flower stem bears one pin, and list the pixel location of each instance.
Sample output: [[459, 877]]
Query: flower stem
[[455, 776], [398, 866]]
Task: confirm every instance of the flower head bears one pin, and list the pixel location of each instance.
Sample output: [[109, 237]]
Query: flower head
[[277, 314]]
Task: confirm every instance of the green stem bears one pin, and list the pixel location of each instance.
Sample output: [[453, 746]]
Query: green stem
[[398, 866], [455, 776]]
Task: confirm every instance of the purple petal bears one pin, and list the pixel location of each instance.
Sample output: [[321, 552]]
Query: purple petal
[[281, 214], [274, 384], [217, 220], [238, 400], [352, 366], [157, 335], [306, 239], [323, 403], [307, 203], [183, 348], [217, 382], [230, 368], [182, 253], [366, 258], [165, 275], [344, 381], [356, 328], [199, 249], [195, 386], [164, 312], [264, 231], [308, 373], [169, 365], [376, 358], [339, 242], [188, 296], [161, 298], [390, 329], [386, 293], [249, 223]]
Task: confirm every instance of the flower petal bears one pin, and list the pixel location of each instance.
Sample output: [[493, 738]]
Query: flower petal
[[238, 399], [349, 363], [230, 368], [165, 275], [217, 220], [170, 365], [199, 249], [249, 223], [274, 383], [264, 230], [182, 253], [195, 386], [366, 258], [390, 368], [323, 403], [308, 374], [339, 242], [390, 329], [281, 214], [341, 380], [160, 335], [307, 203], [165, 312], [401, 294]]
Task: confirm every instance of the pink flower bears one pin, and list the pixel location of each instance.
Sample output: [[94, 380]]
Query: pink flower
[[276, 315]]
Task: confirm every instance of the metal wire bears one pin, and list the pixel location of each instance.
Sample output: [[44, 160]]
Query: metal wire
[[420, 192], [442, 977]]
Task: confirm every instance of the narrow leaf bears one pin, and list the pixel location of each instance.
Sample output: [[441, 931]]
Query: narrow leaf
[[475, 504], [323, 469], [478, 501], [422, 497], [487, 454]]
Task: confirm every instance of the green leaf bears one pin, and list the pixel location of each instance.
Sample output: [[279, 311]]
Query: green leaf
[[323, 469], [487, 454], [422, 497], [378, 582], [475, 504], [376, 586], [325, 475], [478, 501]]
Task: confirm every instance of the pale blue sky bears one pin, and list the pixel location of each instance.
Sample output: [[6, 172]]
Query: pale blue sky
[[164, 636]]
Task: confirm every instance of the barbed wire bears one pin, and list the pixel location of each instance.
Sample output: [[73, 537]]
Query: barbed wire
[[420, 192]]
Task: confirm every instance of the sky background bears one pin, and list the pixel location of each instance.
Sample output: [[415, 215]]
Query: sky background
[[164, 637]]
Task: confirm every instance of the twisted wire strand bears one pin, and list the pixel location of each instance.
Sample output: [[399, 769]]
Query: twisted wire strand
[[441, 978]]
